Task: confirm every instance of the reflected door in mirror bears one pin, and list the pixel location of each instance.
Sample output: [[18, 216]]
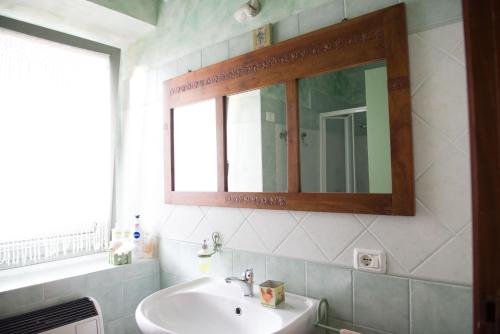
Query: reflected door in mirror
[[257, 140]]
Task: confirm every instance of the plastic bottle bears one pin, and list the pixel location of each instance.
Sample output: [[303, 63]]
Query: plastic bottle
[[116, 239], [137, 240]]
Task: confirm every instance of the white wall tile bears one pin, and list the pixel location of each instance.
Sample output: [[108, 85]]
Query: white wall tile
[[367, 220], [332, 231], [463, 143], [452, 263], [202, 232], [224, 220], [247, 239], [445, 189], [442, 99], [424, 60], [367, 241], [272, 226], [459, 53], [182, 222], [428, 145], [300, 245], [246, 212], [410, 239], [299, 215], [445, 37]]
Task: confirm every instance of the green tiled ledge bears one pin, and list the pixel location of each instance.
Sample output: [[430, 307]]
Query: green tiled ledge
[[117, 289]]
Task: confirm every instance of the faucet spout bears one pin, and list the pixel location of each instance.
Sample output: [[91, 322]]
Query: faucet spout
[[245, 283]]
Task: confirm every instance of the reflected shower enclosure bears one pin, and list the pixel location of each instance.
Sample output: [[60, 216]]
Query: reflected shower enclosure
[[344, 131]]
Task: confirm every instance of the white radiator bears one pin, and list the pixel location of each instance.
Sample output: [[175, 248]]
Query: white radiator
[[82, 316]]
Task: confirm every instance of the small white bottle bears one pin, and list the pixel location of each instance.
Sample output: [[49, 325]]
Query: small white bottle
[[137, 240]]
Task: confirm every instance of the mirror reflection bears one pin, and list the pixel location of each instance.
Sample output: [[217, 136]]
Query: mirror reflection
[[195, 147], [344, 131], [256, 140]]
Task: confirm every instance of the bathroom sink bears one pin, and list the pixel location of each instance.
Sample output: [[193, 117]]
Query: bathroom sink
[[210, 305]]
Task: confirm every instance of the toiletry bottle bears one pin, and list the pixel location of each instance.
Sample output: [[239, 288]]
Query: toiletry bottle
[[149, 244], [116, 239], [137, 240]]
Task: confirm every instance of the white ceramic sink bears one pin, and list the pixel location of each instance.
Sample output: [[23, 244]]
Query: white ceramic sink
[[209, 305]]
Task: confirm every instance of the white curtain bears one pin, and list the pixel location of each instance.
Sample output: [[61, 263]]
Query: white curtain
[[56, 152]]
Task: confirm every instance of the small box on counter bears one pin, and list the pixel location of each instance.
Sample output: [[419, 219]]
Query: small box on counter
[[272, 293], [118, 259]]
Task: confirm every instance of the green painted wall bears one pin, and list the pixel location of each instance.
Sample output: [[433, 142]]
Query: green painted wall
[[185, 26], [144, 10], [377, 116]]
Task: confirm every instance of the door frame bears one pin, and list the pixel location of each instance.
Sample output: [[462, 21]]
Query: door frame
[[322, 146], [482, 49]]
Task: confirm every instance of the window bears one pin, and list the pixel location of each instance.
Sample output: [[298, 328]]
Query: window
[[56, 150]]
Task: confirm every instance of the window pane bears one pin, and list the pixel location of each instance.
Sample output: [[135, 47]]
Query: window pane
[[55, 138], [195, 147]]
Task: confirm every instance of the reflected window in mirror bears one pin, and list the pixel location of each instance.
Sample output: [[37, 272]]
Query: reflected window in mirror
[[257, 140], [344, 131], [195, 147]]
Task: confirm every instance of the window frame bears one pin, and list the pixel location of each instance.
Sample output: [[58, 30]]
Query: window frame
[[114, 57]]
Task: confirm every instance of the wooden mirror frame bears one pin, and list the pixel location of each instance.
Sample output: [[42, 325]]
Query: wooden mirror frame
[[377, 36]]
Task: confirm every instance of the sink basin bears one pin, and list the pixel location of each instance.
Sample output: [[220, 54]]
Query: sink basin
[[210, 305]]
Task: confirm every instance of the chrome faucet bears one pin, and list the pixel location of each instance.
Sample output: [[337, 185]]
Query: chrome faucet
[[245, 282]]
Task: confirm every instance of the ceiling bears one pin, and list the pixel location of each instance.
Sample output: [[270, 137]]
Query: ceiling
[[104, 21]]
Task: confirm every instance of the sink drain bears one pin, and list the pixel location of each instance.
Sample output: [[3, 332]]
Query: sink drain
[[238, 311]]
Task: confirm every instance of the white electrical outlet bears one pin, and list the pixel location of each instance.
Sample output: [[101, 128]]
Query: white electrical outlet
[[370, 260]]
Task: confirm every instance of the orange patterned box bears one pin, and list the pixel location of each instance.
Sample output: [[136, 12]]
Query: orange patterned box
[[272, 293]]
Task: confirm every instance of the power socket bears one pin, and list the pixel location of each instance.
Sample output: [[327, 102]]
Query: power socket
[[370, 260]]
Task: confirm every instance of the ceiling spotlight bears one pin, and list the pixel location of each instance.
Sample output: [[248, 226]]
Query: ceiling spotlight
[[249, 9]]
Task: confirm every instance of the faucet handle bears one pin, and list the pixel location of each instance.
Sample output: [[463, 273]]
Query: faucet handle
[[248, 275]]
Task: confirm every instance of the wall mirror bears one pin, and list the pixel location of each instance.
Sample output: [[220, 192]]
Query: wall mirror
[[320, 122]]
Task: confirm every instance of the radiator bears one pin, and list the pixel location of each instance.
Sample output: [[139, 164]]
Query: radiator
[[82, 316]]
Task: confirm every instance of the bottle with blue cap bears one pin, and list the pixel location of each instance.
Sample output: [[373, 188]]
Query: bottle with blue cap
[[137, 240]]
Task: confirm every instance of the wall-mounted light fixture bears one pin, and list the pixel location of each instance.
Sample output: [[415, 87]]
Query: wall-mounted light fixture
[[247, 10]]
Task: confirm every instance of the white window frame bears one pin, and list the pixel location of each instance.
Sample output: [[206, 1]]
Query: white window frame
[[114, 56]]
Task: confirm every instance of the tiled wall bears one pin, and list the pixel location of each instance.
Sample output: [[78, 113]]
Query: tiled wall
[[118, 291], [435, 244], [370, 303], [426, 253]]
